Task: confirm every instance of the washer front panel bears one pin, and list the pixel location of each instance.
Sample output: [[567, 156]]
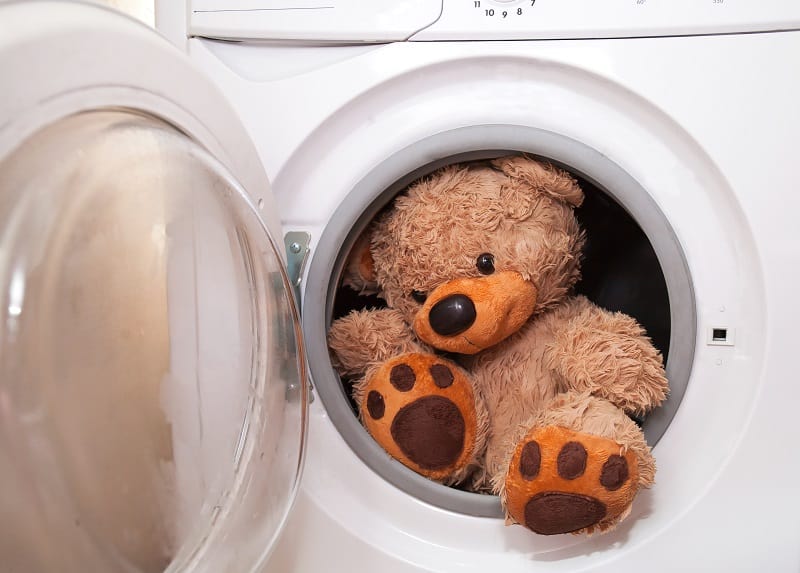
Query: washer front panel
[[687, 118]]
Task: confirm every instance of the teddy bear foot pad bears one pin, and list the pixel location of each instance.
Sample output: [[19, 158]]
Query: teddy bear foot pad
[[421, 409], [563, 481]]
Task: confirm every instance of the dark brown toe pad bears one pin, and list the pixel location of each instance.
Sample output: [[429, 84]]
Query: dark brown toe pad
[[430, 432], [552, 512]]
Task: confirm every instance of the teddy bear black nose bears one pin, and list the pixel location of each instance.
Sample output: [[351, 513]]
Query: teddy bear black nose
[[452, 314]]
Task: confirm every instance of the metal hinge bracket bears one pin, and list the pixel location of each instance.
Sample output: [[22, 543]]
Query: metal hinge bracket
[[297, 251]]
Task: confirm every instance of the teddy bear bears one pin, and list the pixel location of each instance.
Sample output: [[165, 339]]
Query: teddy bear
[[483, 370]]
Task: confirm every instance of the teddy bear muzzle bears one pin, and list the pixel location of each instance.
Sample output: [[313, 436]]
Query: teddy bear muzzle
[[472, 314]]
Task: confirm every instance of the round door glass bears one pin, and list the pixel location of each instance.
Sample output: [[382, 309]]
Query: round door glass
[[152, 388]]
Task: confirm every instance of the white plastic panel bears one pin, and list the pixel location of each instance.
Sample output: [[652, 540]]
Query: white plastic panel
[[535, 19], [682, 116], [312, 20]]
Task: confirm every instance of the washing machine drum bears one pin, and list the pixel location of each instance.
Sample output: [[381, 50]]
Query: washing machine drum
[[151, 400]]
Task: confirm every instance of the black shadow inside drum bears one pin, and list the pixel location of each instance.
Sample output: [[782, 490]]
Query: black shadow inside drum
[[620, 270]]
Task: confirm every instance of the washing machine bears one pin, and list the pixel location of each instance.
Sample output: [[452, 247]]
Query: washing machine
[[177, 210]]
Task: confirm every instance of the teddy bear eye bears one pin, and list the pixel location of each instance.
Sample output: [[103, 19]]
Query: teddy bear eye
[[419, 296], [485, 263]]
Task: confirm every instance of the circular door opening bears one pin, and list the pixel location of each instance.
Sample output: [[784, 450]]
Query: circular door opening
[[632, 263]]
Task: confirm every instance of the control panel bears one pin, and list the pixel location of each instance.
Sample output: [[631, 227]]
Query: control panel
[[560, 19], [354, 21], [315, 21], [502, 9]]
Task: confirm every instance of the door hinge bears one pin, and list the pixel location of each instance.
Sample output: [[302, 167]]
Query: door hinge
[[297, 250]]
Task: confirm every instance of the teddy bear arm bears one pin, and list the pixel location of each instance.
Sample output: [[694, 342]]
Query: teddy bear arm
[[363, 339], [609, 355]]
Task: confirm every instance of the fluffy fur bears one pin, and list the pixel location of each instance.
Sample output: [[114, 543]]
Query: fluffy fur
[[566, 363]]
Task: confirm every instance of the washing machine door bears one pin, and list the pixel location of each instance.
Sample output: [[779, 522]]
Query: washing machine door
[[152, 385]]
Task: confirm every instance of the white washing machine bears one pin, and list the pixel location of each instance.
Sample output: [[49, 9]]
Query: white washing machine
[[153, 409]]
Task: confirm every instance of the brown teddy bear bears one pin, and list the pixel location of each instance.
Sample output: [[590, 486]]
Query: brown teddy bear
[[531, 398]]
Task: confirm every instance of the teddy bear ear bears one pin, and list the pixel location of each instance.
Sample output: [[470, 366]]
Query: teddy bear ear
[[359, 269], [542, 176]]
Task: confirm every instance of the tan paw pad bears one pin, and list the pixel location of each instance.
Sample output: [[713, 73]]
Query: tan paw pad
[[562, 481], [421, 410]]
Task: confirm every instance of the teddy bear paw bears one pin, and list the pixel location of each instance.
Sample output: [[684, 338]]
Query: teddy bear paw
[[563, 481], [421, 409]]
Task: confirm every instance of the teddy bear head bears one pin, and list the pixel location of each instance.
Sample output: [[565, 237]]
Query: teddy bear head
[[470, 253]]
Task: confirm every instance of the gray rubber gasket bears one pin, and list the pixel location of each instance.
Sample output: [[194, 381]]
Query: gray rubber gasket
[[395, 173]]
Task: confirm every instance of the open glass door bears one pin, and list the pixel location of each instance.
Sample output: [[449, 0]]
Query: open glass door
[[152, 385]]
